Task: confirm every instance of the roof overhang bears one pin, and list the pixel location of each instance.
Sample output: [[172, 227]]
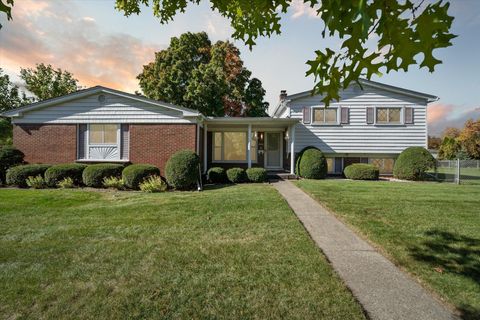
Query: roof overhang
[[257, 121], [96, 90]]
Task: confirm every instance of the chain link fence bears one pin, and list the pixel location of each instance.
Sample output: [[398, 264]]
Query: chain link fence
[[457, 171]]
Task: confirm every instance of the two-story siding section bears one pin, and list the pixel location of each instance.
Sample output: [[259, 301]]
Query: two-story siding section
[[371, 123]]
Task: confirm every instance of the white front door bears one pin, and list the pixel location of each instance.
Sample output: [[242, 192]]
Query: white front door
[[273, 150]]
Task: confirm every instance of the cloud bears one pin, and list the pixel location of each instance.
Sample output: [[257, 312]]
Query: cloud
[[301, 8], [441, 116], [79, 46]]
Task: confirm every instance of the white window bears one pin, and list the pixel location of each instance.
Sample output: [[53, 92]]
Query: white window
[[231, 146], [389, 115], [103, 142], [325, 116]]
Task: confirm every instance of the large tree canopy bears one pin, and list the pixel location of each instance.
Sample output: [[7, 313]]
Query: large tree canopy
[[403, 33], [211, 78], [45, 82], [10, 95]]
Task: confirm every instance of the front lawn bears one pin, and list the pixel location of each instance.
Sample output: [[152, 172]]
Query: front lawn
[[430, 229], [232, 252]]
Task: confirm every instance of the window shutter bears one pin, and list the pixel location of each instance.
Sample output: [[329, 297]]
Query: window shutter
[[338, 165], [370, 115], [82, 141], [306, 115], [124, 141], [344, 115], [409, 115]]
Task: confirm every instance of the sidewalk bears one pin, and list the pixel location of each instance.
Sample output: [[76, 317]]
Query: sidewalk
[[384, 291]]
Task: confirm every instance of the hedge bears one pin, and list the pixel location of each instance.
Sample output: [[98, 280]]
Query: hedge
[[59, 172], [216, 175], [236, 175], [9, 157], [311, 164], [361, 171], [412, 164], [181, 170], [257, 174], [94, 174], [135, 174], [17, 176]]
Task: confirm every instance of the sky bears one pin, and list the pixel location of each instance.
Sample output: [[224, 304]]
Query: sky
[[101, 46]]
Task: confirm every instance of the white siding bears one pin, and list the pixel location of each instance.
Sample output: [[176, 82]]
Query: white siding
[[115, 110], [358, 136]]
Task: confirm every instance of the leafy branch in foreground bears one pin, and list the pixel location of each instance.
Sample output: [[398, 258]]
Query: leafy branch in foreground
[[398, 33]]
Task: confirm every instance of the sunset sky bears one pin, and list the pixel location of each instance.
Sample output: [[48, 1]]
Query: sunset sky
[[100, 46]]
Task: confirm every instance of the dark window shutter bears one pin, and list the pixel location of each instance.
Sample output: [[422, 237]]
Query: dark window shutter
[[125, 141], [344, 115], [409, 115], [306, 115], [370, 115], [82, 141], [338, 165]]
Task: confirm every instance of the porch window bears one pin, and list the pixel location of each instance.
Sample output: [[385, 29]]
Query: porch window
[[385, 165], [388, 115], [325, 115], [232, 147]]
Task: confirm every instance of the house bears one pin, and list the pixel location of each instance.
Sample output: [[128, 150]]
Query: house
[[371, 123]]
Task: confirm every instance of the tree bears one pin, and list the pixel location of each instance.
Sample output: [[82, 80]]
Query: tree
[[434, 142], [401, 32], [451, 132], [6, 7], [212, 79], [45, 82], [469, 138], [448, 149], [10, 95]]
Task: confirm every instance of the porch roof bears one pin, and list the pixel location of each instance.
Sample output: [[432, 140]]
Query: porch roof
[[257, 121]]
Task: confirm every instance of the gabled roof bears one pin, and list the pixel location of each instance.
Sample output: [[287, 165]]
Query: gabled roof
[[368, 83], [95, 90]]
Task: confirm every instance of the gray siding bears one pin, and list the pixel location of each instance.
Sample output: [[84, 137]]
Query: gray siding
[[357, 136], [115, 109]]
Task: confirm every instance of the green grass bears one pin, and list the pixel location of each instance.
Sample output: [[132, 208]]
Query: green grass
[[233, 252], [430, 229]]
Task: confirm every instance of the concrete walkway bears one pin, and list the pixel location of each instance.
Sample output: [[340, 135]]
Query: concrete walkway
[[382, 289]]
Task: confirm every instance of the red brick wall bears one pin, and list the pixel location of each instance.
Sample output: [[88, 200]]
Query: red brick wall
[[50, 143], [155, 143]]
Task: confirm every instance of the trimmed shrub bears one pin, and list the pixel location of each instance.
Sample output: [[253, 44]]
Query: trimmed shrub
[[412, 164], [153, 184], [94, 174], [181, 169], [216, 175], [37, 182], [311, 164], [236, 175], [135, 174], [17, 176], [114, 183], [361, 171], [66, 183], [257, 174], [9, 157], [58, 172]]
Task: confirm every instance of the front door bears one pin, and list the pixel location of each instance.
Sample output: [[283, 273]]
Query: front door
[[273, 150]]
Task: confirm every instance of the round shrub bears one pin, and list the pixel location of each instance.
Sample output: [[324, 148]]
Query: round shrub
[[9, 157], [361, 171], [181, 170], [236, 175], [412, 164], [59, 172], [311, 164], [17, 176], [257, 174], [135, 174], [94, 174], [216, 175]]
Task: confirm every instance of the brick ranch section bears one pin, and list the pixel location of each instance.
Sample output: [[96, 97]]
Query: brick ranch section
[[155, 143], [149, 143]]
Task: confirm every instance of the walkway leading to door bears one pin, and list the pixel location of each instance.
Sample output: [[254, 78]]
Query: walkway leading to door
[[382, 289]]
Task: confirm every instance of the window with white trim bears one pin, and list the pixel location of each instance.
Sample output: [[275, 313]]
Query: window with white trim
[[103, 142], [388, 115], [231, 146], [325, 115]]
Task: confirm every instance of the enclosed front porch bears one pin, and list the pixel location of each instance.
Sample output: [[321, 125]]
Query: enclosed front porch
[[249, 142]]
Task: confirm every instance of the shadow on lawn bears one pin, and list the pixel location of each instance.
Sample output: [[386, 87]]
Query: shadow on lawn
[[453, 253]]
